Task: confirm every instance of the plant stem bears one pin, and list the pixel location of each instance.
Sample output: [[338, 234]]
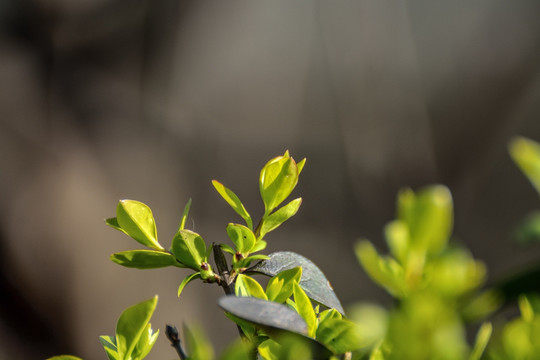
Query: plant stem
[[172, 335]]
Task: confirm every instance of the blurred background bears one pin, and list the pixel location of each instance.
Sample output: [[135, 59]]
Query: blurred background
[[102, 100]]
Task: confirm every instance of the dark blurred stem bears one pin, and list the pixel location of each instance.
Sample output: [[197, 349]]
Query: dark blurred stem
[[172, 335], [223, 271]]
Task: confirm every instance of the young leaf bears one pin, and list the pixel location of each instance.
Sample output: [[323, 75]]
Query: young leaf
[[247, 286], [227, 248], [144, 259], [482, 339], [305, 309], [329, 314], [233, 200], [269, 350], [339, 335], [199, 346], [109, 344], [526, 154], [146, 342], [242, 237], [136, 219], [131, 325], [187, 280], [259, 245], [64, 357], [189, 247], [313, 281], [238, 350], [280, 216], [280, 287], [277, 180], [113, 222], [246, 262], [185, 214]]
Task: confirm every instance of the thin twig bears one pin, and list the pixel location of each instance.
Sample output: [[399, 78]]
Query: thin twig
[[172, 335]]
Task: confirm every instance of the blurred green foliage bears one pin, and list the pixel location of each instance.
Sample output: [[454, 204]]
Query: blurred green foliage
[[437, 285]]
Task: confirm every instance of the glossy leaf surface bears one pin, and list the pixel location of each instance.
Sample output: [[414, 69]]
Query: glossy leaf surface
[[131, 325], [144, 259], [189, 247], [277, 180], [278, 217], [136, 219], [313, 281], [230, 197]]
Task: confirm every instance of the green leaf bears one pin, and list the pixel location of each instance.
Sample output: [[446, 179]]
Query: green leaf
[[329, 314], [277, 180], [144, 259], [198, 345], [313, 281], [146, 342], [246, 262], [187, 280], [300, 165], [280, 287], [109, 344], [305, 309], [259, 245], [242, 237], [189, 247], [233, 200], [238, 350], [269, 350], [64, 357], [482, 339], [247, 286], [113, 222], [528, 231], [429, 217], [227, 248], [185, 214], [277, 218], [339, 335], [397, 238], [136, 219], [526, 154], [131, 325]]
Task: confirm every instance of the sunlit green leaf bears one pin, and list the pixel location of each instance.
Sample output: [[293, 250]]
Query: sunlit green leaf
[[187, 280], [238, 350], [397, 238], [136, 219], [259, 245], [313, 281], [189, 247], [329, 314], [64, 357], [109, 345], [269, 350], [305, 308], [146, 342], [280, 287], [247, 286], [339, 335], [233, 200], [144, 259], [132, 324], [242, 237], [246, 262], [185, 214], [278, 217], [199, 347], [277, 180], [526, 154], [482, 339], [113, 222]]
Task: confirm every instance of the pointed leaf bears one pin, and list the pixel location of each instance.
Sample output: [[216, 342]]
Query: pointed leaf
[[146, 342], [526, 154], [313, 281], [242, 237], [113, 222], [131, 325], [185, 214], [233, 200], [277, 180], [246, 262], [144, 259], [482, 339], [280, 287], [277, 218], [136, 219], [305, 309], [187, 280], [339, 335], [109, 344], [189, 247], [247, 286]]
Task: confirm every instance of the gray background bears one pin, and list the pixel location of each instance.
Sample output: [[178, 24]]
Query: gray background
[[102, 100]]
